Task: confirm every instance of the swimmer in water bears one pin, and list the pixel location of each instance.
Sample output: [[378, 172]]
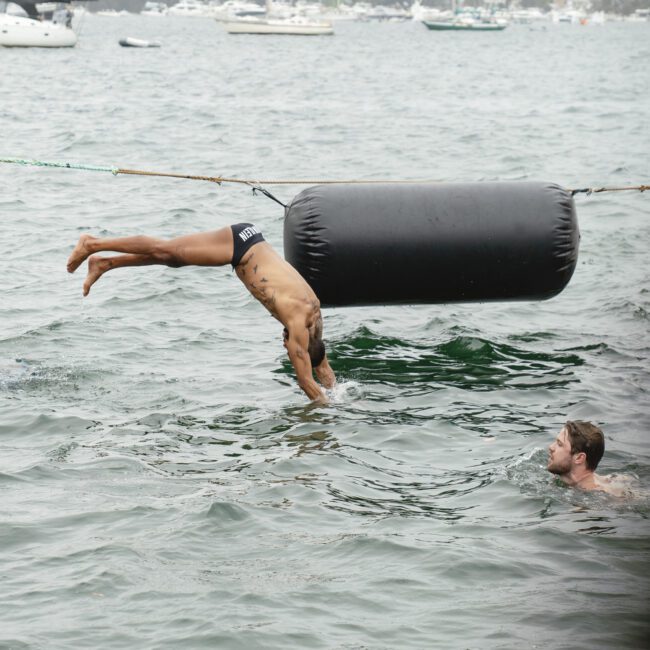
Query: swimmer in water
[[575, 454], [268, 277]]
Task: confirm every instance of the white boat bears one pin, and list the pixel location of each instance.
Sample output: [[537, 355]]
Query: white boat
[[112, 13], [296, 26], [419, 12], [190, 8], [528, 16], [154, 9], [278, 22], [23, 31], [234, 9], [571, 16], [129, 41]]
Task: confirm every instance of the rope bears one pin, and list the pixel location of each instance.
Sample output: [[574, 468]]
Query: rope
[[258, 188], [42, 163], [256, 184], [598, 190]]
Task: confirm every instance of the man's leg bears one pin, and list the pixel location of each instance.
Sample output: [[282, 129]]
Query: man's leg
[[97, 266], [201, 249]]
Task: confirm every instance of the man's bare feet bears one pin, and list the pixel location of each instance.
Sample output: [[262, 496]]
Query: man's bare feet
[[79, 254], [97, 266]]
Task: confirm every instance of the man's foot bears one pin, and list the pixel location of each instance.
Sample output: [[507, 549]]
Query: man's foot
[[97, 266], [79, 254]]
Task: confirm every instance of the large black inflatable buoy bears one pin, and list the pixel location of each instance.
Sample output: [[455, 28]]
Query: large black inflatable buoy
[[433, 243]]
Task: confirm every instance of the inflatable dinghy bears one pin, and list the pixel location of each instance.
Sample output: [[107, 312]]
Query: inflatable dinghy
[[137, 42]]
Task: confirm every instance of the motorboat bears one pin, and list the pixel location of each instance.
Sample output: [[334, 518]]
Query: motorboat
[[296, 26], [154, 9], [34, 29], [190, 8], [234, 9]]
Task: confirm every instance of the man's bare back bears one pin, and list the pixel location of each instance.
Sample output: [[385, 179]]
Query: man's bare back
[[288, 297], [267, 276], [277, 285]]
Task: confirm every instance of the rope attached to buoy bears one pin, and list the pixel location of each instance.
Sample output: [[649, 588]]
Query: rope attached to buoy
[[598, 190], [257, 184]]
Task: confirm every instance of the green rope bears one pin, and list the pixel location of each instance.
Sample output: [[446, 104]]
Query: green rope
[[42, 163]]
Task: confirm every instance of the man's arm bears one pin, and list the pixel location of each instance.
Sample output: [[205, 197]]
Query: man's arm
[[297, 348]]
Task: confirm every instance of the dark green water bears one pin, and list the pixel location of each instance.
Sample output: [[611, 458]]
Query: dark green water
[[163, 483]]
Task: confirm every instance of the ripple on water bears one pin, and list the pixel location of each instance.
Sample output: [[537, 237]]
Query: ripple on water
[[463, 361], [164, 483]]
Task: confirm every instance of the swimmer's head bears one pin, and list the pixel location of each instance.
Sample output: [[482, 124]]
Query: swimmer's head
[[316, 347], [586, 438], [577, 443], [316, 351]]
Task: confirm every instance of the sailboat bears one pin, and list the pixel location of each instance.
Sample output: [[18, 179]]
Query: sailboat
[[460, 20], [48, 26], [295, 25]]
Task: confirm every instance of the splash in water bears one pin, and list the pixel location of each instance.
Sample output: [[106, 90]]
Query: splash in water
[[345, 391]]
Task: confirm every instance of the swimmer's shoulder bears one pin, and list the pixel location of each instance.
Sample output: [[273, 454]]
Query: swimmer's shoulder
[[618, 485]]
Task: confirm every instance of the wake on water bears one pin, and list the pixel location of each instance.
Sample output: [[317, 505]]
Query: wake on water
[[530, 474]]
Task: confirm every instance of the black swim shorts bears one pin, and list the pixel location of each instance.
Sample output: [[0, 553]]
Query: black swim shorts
[[244, 235]]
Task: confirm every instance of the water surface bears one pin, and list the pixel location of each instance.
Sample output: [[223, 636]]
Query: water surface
[[164, 483]]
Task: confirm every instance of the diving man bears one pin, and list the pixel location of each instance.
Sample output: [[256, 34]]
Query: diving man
[[268, 277]]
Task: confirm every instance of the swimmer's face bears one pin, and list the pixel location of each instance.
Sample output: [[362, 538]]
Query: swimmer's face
[[560, 458]]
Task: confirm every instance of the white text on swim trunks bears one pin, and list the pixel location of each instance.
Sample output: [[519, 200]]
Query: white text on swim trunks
[[247, 233]]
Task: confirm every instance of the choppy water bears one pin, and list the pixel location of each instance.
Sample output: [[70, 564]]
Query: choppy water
[[163, 483]]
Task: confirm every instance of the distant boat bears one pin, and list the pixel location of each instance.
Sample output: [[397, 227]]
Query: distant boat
[[296, 26], [192, 8], [137, 42], [53, 29], [465, 24], [280, 19], [234, 9], [474, 19], [152, 8]]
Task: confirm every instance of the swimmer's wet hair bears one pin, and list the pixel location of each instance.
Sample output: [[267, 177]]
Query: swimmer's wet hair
[[588, 438], [316, 351]]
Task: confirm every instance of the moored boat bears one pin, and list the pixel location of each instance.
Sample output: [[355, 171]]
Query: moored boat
[[153, 8], [295, 25], [464, 24], [21, 31], [129, 41]]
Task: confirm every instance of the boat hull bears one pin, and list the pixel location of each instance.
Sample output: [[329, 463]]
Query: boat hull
[[278, 27], [16, 31], [442, 26], [137, 42]]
